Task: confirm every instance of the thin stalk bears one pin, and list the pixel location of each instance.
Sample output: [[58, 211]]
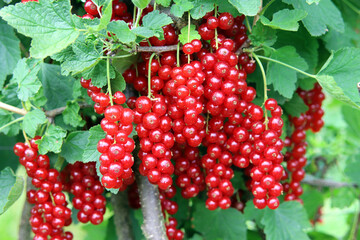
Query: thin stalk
[[12, 109], [26, 137], [265, 87], [11, 123], [351, 6], [154, 6], [287, 65], [108, 80], [355, 225], [149, 75], [139, 12], [189, 23], [178, 55], [266, 6], [216, 33], [248, 24], [134, 14], [122, 56]]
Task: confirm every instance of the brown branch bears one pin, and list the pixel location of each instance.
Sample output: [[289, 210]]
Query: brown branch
[[327, 183], [153, 226], [156, 49], [121, 216], [25, 228]]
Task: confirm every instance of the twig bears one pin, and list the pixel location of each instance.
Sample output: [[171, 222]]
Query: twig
[[25, 228], [246, 44], [121, 216], [156, 49], [12, 108], [57, 111], [153, 226], [327, 183]]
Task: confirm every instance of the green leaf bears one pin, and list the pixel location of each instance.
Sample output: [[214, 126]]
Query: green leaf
[[285, 19], [315, 235], [352, 168], [121, 64], [39, 99], [52, 140], [122, 31], [141, 3], [183, 36], [52, 81], [340, 74], [180, 7], [98, 74], [352, 118], [251, 213], [25, 75], [11, 188], [313, 1], [335, 40], [106, 15], [37, 20], [144, 32], [224, 6], [9, 50], [71, 115], [342, 197], [313, 199], [74, 146], [165, 3], [247, 7], [219, 224], [156, 20], [118, 83], [91, 153], [296, 106], [284, 78], [262, 35], [288, 222], [320, 16], [33, 120], [201, 7], [6, 117]]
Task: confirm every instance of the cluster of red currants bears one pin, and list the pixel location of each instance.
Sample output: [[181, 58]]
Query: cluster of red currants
[[50, 214], [295, 157], [116, 159], [82, 181]]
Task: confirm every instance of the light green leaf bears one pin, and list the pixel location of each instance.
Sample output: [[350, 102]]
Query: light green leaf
[[184, 36], [335, 40], [296, 106], [320, 16], [226, 224], [352, 118], [98, 74], [37, 20], [71, 115], [165, 3], [52, 81], [74, 146], [144, 32], [340, 74], [288, 222], [52, 140], [285, 19], [262, 35], [224, 6], [343, 197], [247, 7], [180, 7], [313, 1], [39, 99], [33, 120], [11, 188], [352, 168], [122, 31], [105, 16], [141, 3], [156, 20], [201, 7], [9, 50], [284, 78], [25, 75], [91, 153], [6, 117]]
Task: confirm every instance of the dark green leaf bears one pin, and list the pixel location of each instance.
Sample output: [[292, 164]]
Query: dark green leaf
[[141, 3], [352, 118], [224, 6], [71, 115], [340, 74], [296, 106], [320, 16], [121, 64], [39, 99], [313, 199], [184, 37], [247, 7], [36, 20], [25, 75], [52, 140], [201, 7], [9, 50], [98, 74], [33, 120], [74, 146], [253, 214], [262, 35], [180, 7], [52, 81], [122, 31], [284, 78], [288, 222], [226, 224], [91, 153], [118, 83], [11, 188], [319, 235], [285, 19]]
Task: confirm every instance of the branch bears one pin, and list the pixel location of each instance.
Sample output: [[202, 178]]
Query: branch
[[121, 216], [156, 49], [25, 228], [327, 183], [12, 108], [153, 226]]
